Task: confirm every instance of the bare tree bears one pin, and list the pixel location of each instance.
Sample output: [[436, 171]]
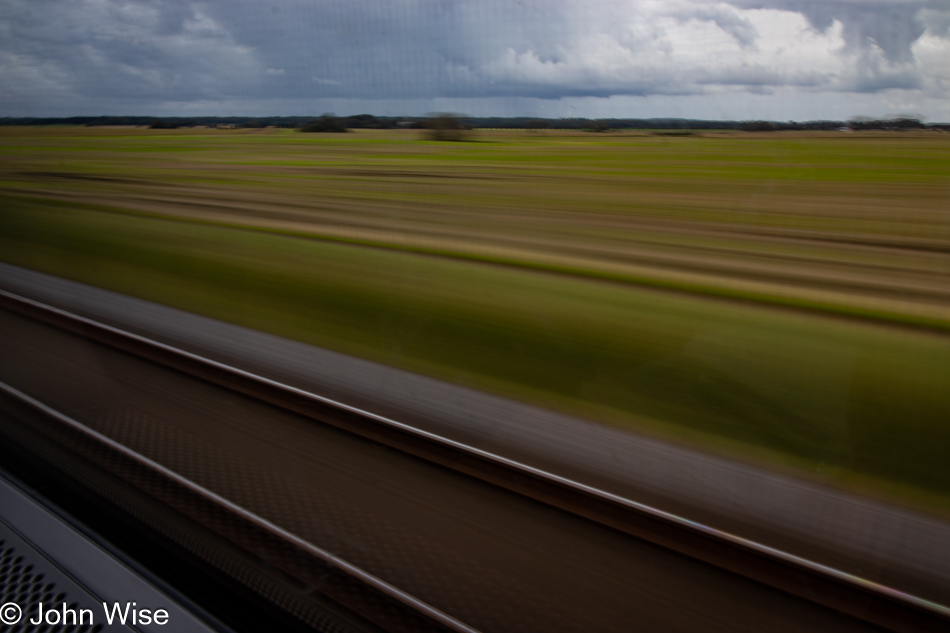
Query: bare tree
[[445, 127]]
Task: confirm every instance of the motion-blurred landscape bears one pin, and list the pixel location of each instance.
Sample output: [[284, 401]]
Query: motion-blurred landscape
[[779, 297]]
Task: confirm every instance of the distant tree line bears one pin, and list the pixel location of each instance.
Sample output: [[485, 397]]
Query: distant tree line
[[369, 121], [327, 123], [294, 122], [870, 124]]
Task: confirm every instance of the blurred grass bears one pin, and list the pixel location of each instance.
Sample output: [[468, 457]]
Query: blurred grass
[[567, 321]]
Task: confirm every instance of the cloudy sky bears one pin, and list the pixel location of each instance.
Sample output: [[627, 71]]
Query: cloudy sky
[[743, 59]]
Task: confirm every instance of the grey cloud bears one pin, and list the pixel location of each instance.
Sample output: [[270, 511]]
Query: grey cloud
[[937, 22], [124, 49], [150, 51], [723, 17], [759, 76]]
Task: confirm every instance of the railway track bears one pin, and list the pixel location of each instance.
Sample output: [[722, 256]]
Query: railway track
[[847, 595]]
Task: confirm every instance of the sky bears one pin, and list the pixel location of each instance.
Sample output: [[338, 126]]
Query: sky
[[744, 59]]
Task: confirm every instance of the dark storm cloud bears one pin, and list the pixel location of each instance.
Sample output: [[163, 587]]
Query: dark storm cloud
[[138, 52]]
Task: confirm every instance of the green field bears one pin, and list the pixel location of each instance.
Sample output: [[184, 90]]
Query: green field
[[780, 298]]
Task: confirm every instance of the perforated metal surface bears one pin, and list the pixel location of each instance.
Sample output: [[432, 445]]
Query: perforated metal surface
[[27, 579]]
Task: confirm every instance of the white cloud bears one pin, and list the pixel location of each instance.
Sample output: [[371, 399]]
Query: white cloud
[[933, 56]]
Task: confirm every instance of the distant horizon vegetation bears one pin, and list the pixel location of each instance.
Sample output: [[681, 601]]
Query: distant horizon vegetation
[[332, 123]]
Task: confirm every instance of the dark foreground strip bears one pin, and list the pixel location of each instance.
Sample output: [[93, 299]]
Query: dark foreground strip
[[447, 622], [871, 602], [241, 576]]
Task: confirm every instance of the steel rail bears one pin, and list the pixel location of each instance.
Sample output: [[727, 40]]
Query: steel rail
[[822, 584]]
